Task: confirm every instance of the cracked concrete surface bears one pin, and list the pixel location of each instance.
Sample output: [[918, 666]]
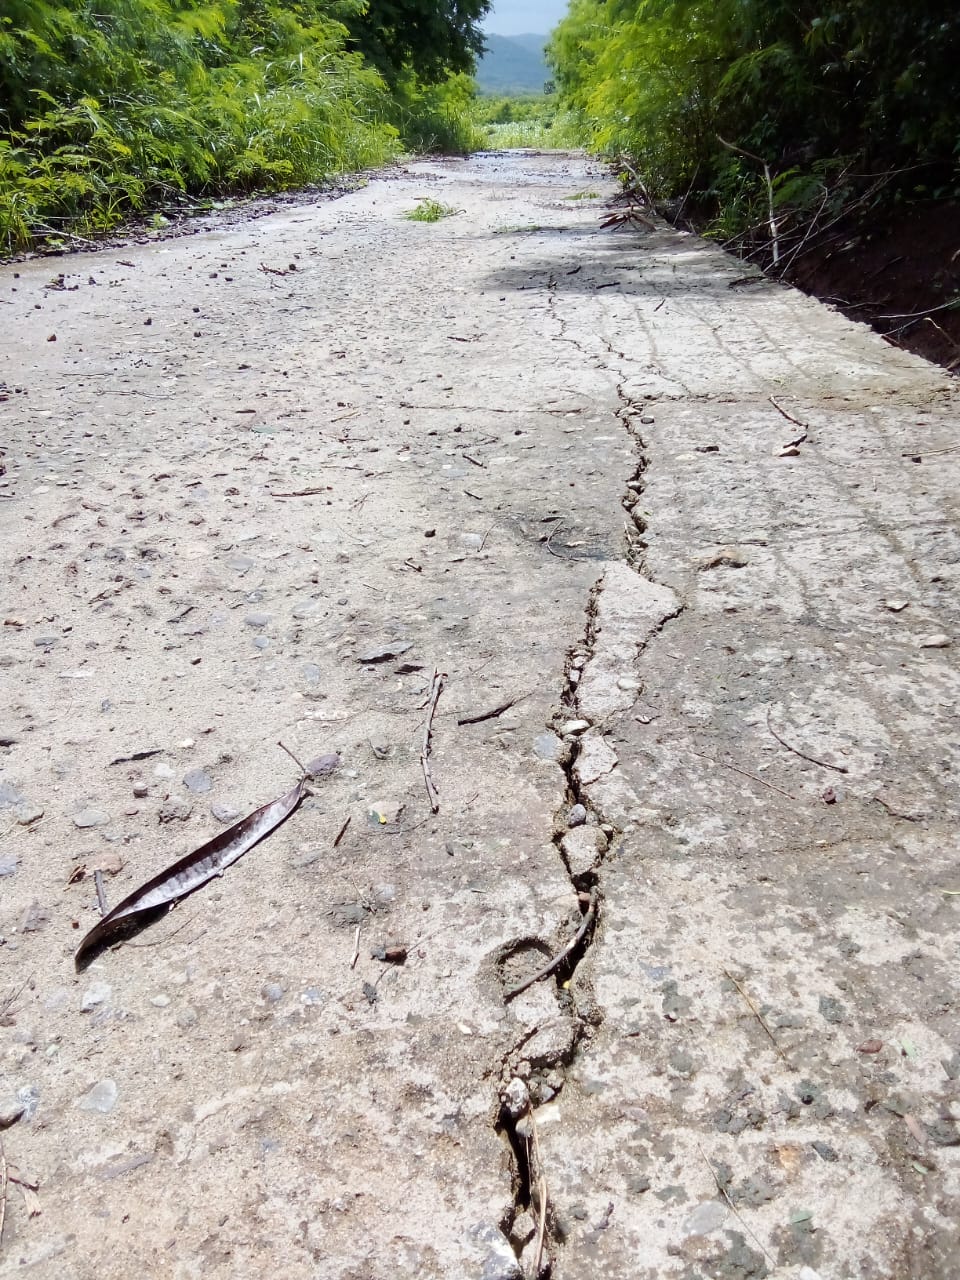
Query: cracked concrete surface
[[545, 458]]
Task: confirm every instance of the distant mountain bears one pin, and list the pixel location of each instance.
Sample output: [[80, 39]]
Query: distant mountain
[[513, 64], [530, 41]]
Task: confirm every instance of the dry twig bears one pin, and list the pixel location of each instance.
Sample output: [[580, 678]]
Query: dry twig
[[3, 1190], [493, 712], [101, 896], [789, 416], [824, 764], [760, 1018], [432, 795], [896, 813], [343, 830], [556, 961], [732, 1207], [743, 773], [542, 1189], [356, 948]]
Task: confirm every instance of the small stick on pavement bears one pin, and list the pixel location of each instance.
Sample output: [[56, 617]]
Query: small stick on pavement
[[896, 813], [759, 1017], [356, 948], [101, 896], [425, 749], [752, 776], [789, 416], [493, 712], [824, 764], [733, 1208], [3, 1190], [293, 758], [343, 830], [559, 958], [542, 1189]]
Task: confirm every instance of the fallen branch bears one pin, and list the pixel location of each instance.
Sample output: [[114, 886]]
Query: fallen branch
[[343, 830], [432, 795], [824, 764], [559, 958]]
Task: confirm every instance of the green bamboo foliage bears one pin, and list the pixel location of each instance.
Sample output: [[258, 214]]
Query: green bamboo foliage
[[108, 107], [811, 88]]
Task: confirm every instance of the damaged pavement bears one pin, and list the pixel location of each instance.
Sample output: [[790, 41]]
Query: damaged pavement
[[665, 988]]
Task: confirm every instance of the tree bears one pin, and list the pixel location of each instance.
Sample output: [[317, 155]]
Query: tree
[[431, 38]]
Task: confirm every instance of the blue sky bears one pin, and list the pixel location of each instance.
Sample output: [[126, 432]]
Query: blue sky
[[515, 17]]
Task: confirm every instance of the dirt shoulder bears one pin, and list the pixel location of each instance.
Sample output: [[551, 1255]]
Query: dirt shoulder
[[692, 598]]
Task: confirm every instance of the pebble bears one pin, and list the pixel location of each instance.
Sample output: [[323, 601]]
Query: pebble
[[705, 1218], [102, 1097], [574, 726], [384, 652], [577, 816], [96, 993], [11, 1109], [629, 684], [26, 813], [8, 863], [224, 812], [938, 641], [896, 606], [90, 818], [272, 992], [261, 642], [175, 810], [160, 1002], [257, 619], [186, 1017], [322, 766], [583, 848], [198, 781], [164, 771], [140, 789]]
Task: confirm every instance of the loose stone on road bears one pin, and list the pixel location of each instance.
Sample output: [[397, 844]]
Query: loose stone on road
[[693, 751]]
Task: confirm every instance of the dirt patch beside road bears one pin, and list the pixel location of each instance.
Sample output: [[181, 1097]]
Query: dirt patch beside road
[[260, 485]]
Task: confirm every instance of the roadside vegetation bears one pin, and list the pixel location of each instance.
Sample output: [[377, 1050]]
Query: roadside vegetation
[[770, 116], [112, 107], [820, 140], [528, 120]]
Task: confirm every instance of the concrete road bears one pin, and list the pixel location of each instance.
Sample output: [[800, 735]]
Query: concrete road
[[679, 549]]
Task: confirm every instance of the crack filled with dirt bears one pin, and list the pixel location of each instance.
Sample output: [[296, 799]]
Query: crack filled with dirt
[[534, 1070]]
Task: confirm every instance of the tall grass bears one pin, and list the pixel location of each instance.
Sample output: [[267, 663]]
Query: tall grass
[[114, 106], [535, 121]]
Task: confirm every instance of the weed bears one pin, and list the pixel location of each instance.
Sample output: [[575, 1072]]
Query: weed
[[428, 210]]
